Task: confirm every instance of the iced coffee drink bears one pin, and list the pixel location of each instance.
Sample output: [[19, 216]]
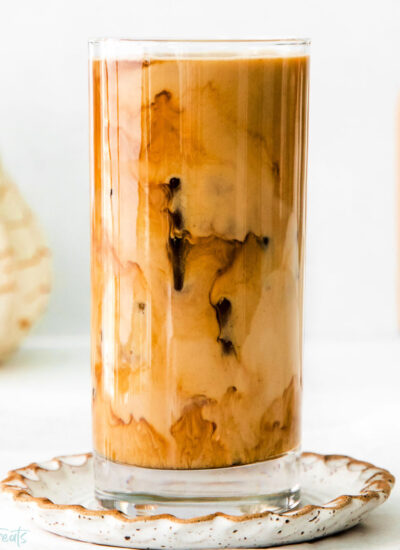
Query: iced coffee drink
[[198, 213]]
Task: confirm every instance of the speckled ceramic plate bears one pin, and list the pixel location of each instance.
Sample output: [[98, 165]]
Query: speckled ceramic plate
[[337, 492]]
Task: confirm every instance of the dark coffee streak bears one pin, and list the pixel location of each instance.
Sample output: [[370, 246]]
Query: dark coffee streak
[[164, 93], [227, 347], [223, 307], [276, 170], [176, 219], [178, 248], [178, 244], [174, 184]]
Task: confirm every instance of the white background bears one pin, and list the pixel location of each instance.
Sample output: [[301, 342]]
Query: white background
[[355, 82], [352, 355]]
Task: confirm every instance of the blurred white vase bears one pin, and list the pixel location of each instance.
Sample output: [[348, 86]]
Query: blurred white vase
[[25, 267]]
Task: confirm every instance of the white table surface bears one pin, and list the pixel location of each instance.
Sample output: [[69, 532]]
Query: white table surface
[[351, 406]]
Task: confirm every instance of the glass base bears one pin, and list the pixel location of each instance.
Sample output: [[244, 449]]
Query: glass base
[[252, 488]]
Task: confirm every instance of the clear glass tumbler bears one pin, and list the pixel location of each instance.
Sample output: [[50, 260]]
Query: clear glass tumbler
[[198, 183]]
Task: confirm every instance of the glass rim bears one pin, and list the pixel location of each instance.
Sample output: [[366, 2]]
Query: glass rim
[[293, 41]]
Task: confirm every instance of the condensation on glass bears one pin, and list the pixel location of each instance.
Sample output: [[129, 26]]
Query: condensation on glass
[[199, 153]]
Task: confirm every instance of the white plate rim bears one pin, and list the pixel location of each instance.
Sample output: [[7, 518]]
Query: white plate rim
[[377, 487]]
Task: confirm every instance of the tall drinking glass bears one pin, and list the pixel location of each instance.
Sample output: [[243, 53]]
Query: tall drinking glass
[[198, 178]]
